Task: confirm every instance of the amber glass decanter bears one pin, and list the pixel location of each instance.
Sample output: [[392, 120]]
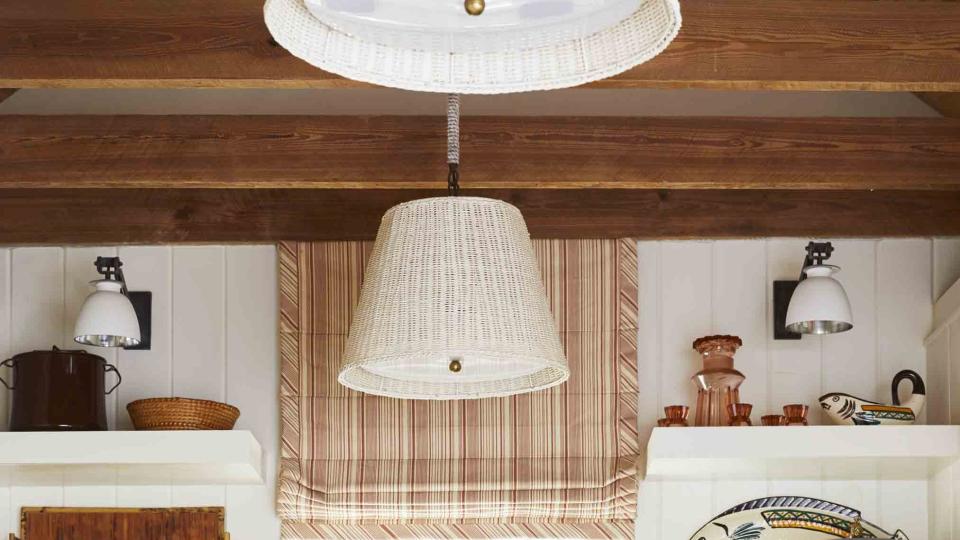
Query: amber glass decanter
[[717, 383]]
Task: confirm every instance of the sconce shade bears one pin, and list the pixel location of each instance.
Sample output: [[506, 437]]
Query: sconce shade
[[107, 318], [452, 306], [819, 304]]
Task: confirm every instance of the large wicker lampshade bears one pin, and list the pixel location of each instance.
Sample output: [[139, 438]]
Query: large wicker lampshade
[[453, 306], [464, 47]]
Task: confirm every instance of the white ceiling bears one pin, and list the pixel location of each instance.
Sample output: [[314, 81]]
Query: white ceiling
[[374, 101]]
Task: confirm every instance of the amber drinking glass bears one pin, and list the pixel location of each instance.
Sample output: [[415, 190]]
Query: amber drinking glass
[[677, 415], [739, 414], [773, 420], [796, 414], [718, 384]]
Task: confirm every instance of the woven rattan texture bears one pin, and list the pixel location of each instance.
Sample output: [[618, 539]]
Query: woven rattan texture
[[634, 41], [453, 278], [181, 414]]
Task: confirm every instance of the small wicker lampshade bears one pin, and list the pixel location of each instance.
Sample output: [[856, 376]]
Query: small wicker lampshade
[[453, 306], [514, 46]]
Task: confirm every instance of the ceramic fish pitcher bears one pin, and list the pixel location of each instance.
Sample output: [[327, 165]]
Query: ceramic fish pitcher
[[847, 409]]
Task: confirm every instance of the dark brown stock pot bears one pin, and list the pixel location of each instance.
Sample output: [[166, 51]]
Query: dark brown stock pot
[[59, 391]]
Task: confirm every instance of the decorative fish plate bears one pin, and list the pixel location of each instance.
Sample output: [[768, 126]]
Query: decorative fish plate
[[789, 518]]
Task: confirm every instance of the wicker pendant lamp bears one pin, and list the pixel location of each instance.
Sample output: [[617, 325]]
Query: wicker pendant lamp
[[458, 46], [452, 305]]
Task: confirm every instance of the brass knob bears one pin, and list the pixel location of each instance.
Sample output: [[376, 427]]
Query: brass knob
[[474, 7], [455, 366]]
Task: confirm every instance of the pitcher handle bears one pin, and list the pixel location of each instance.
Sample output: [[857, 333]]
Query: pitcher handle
[[6, 363], [107, 369], [915, 380]]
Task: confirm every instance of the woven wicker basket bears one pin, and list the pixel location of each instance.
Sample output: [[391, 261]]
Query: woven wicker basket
[[181, 414]]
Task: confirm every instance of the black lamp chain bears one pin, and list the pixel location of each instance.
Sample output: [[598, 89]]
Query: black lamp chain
[[453, 144]]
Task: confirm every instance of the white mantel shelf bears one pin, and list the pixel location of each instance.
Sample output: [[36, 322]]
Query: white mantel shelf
[[812, 452], [130, 457]]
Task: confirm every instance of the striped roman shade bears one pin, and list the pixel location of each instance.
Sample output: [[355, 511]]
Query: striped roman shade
[[559, 463]]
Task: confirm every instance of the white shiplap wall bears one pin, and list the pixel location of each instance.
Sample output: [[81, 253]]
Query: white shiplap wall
[[694, 288], [943, 369], [215, 336]]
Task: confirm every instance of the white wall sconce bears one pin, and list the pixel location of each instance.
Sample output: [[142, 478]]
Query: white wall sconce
[[112, 316], [816, 303]]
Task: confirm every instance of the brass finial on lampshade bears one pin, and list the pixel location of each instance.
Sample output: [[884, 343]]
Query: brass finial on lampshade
[[474, 7]]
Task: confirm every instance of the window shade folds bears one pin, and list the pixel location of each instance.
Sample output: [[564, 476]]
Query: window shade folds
[[555, 463]]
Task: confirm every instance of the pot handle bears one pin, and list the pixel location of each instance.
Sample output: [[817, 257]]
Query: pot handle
[[107, 369], [6, 363]]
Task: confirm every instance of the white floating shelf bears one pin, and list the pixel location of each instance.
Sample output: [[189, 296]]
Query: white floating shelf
[[130, 457], [812, 452]]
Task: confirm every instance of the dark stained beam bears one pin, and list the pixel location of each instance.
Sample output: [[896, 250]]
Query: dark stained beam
[[5, 93], [498, 152], [119, 216], [946, 103], [882, 45]]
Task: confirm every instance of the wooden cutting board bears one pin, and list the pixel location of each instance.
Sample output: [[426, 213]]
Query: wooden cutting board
[[50, 523]]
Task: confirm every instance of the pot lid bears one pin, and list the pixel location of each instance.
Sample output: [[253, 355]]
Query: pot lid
[[53, 351]]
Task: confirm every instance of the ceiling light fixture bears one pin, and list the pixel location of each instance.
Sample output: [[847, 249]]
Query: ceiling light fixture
[[453, 305], [472, 47], [817, 303]]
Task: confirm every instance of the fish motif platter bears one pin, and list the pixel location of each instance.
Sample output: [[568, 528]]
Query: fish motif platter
[[789, 518]]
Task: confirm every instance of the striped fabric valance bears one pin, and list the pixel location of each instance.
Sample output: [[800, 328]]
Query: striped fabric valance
[[559, 463]]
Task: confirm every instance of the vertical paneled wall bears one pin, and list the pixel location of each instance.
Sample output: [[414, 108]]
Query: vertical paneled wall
[[694, 288], [214, 337], [943, 388]]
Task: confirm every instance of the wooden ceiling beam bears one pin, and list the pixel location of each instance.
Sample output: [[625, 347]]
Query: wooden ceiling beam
[[6, 93], [945, 103], [506, 153], [883, 45], [140, 216]]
